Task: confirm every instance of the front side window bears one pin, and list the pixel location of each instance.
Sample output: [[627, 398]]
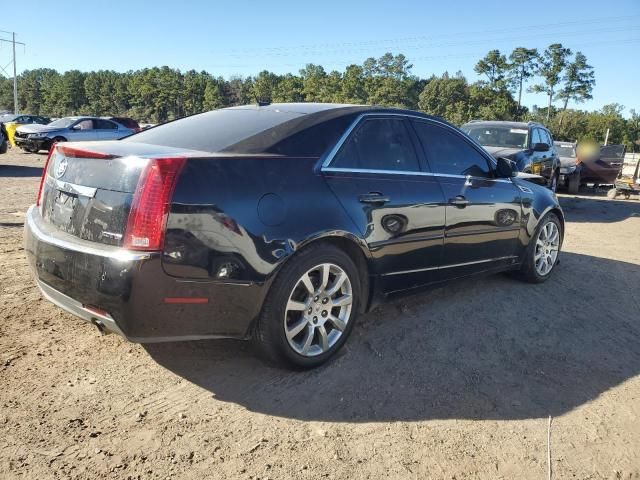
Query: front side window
[[379, 144], [86, 124], [536, 137], [449, 153]]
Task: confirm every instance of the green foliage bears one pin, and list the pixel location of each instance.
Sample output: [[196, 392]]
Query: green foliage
[[550, 67], [495, 67], [524, 62], [161, 93], [579, 80]]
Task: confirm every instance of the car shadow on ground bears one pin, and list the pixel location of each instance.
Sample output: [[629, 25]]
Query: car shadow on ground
[[19, 171], [490, 348], [598, 209]]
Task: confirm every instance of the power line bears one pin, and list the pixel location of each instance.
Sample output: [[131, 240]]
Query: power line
[[484, 33]]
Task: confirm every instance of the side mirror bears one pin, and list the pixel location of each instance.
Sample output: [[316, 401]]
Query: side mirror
[[541, 147], [505, 168]]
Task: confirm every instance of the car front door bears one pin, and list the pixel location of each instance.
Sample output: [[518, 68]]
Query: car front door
[[483, 213], [83, 130], [378, 177]]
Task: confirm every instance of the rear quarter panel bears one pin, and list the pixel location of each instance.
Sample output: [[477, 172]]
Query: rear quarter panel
[[537, 201], [238, 219]]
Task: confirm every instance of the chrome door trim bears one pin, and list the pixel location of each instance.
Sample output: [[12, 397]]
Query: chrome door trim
[[410, 173], [442, 267]]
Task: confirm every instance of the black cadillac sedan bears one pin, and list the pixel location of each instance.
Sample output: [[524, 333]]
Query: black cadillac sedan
[[278, 223]]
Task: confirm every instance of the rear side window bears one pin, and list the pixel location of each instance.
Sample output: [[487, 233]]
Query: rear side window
[[449, 153], [105, 124], [378, 144]]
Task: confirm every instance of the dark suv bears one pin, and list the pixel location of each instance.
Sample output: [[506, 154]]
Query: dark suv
[[529, 145]]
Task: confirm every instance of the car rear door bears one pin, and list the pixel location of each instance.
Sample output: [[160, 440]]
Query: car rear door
[[483, 213], [106, 129], [83, 130], [377, 174]]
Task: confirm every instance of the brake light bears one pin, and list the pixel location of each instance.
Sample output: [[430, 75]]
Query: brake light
[[44, 174], [150, 207], [72, 152]]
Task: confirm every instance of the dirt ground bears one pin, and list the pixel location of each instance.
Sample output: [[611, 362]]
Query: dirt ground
[[456, 383]]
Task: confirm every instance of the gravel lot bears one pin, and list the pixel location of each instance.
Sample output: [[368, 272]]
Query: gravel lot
[[454, 383]]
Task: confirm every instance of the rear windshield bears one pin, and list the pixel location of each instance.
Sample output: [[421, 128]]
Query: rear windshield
[[489, 136], [566, 150], [252, 130]]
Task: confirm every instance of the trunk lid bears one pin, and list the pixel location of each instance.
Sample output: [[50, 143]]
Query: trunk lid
[[88, 188]]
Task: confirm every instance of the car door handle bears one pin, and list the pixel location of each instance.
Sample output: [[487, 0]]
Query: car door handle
[[459, 201], [373, 197]]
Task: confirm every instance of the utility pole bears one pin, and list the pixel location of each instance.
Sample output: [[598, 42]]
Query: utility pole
[[15, 70], [15, 76]]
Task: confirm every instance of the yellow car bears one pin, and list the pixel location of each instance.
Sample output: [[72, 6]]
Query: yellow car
[[12, 121]]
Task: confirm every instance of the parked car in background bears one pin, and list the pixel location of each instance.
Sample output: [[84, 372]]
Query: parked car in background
[[604, 168], [13, 121], [528, 145], [33, 138], [569, 167], [589, 162], [4, 139], [21, 119], [278, 223]]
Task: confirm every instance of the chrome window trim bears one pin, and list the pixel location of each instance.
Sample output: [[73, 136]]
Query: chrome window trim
[[334, 151], [454, 265], [409, 173]]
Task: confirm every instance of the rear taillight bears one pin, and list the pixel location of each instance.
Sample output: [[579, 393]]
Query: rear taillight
[[44, 174], [150, 206]]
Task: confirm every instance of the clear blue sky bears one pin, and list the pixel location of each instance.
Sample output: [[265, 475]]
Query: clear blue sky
[[243, 37]]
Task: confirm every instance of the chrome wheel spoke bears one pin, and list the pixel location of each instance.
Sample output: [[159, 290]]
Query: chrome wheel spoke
[[324, 340], [308, 338], [295, 305], [324, 279], [337, 283], [338, 323], [342, 301], [297, 328], [306, 281]]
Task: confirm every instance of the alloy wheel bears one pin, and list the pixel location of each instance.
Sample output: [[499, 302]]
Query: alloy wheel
[[547, 246], [318, 309]]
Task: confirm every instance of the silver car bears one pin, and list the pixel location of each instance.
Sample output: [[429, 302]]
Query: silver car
[[69, 129]]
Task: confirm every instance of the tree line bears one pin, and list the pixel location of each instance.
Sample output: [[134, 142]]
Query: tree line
[[160, 94]]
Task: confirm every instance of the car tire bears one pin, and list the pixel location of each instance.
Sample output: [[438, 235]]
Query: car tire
[[541, 245], [58, 140], [288, 334], [574, 184]]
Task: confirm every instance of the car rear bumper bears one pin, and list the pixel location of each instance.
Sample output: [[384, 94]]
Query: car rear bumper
[[129, 294]]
